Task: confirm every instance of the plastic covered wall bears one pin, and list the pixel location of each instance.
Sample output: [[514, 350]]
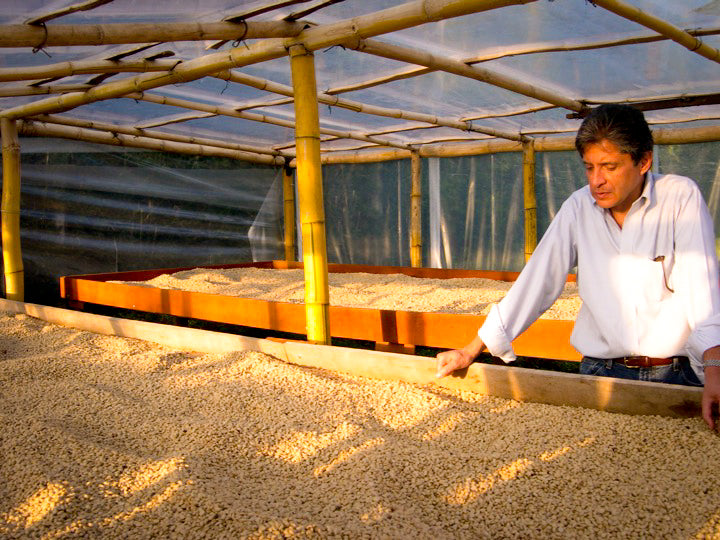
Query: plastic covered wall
[[87, 209], [473, 211]]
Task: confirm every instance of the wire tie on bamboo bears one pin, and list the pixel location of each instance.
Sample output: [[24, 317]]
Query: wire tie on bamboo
[[241, 39], [41, 45], [333, 46]]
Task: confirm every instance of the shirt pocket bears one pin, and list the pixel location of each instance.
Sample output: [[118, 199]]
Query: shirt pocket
[[651, 280]]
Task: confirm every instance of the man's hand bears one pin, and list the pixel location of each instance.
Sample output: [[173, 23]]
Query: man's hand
[[449, 361], [711, 392]]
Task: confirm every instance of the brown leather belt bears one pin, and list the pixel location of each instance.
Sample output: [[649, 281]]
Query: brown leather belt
[[645, 361]]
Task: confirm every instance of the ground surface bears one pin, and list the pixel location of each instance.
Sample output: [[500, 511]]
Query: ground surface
[[106, 437]]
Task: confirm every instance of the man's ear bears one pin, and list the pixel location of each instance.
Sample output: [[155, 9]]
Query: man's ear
[[646, 161]]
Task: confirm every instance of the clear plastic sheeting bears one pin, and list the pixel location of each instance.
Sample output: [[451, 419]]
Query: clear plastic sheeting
[[88, 211], [367, 213], [85, 209]]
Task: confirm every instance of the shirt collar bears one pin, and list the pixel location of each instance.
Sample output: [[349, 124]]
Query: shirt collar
[[648, 192]]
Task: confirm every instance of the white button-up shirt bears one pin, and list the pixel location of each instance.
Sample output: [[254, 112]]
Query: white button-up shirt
[[649, 288]]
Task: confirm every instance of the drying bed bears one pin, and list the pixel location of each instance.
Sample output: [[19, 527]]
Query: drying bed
[[546, 338]]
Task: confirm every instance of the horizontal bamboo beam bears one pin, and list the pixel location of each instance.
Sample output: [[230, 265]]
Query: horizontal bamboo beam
[[660, 103], [84, 67], [686, 135], [64, 35], [388, 20], [457, 67], [542, 144], [509, 382], [40, 129], [678, 35], [230, 111], [17, 90], [160, 135], [357, 106]]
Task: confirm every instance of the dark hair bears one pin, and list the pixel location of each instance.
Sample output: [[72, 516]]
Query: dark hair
[[622, 125]]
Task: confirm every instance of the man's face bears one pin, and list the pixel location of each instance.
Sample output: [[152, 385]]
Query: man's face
[[615, 181]]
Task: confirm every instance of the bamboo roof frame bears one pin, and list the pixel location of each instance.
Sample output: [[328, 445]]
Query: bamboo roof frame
[[162, 135], [89, 67], [42, 129], [553, 46], [357, 33], [387, 20], [229, 111], [464, 125], [662, 27]]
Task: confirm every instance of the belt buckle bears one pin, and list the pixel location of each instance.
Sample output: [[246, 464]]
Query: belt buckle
[[625, 359]]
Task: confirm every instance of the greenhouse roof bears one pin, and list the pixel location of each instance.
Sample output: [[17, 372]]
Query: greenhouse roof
[[392, 74]]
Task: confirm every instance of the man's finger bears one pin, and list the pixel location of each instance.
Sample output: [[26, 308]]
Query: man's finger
[[445, 364], [709, 408]]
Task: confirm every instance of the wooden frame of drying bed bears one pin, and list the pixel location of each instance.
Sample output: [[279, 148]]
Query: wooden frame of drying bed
[[392, 330]]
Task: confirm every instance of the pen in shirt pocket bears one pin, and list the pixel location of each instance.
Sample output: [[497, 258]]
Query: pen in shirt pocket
[[661, 260]]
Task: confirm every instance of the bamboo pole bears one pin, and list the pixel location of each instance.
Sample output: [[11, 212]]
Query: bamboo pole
[[86, 67], [662, 27], [10, 211], [154, 134], [530, 199], [357, 106], [16, 90], [40, 129], [83, 6], [416, 211], [518, 50], [229, 111], [289, 213], [457, 67], [310, 194], [254, 10], [64, 35], [388, 20], [541, 144]]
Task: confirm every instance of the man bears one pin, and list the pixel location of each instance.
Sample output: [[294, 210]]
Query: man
[[647, 271]]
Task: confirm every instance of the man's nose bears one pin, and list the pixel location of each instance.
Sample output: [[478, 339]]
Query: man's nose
[[596, 177]]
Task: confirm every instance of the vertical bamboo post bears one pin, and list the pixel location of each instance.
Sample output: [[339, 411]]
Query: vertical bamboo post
[[416, 211], [289, 213], [10, 212], [310, 195], [529, 198]]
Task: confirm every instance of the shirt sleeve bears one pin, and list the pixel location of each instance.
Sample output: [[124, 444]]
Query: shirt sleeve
[[696, 267], [536, 288]]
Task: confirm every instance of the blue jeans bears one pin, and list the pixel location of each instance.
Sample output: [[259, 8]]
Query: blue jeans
[[679, 372]]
